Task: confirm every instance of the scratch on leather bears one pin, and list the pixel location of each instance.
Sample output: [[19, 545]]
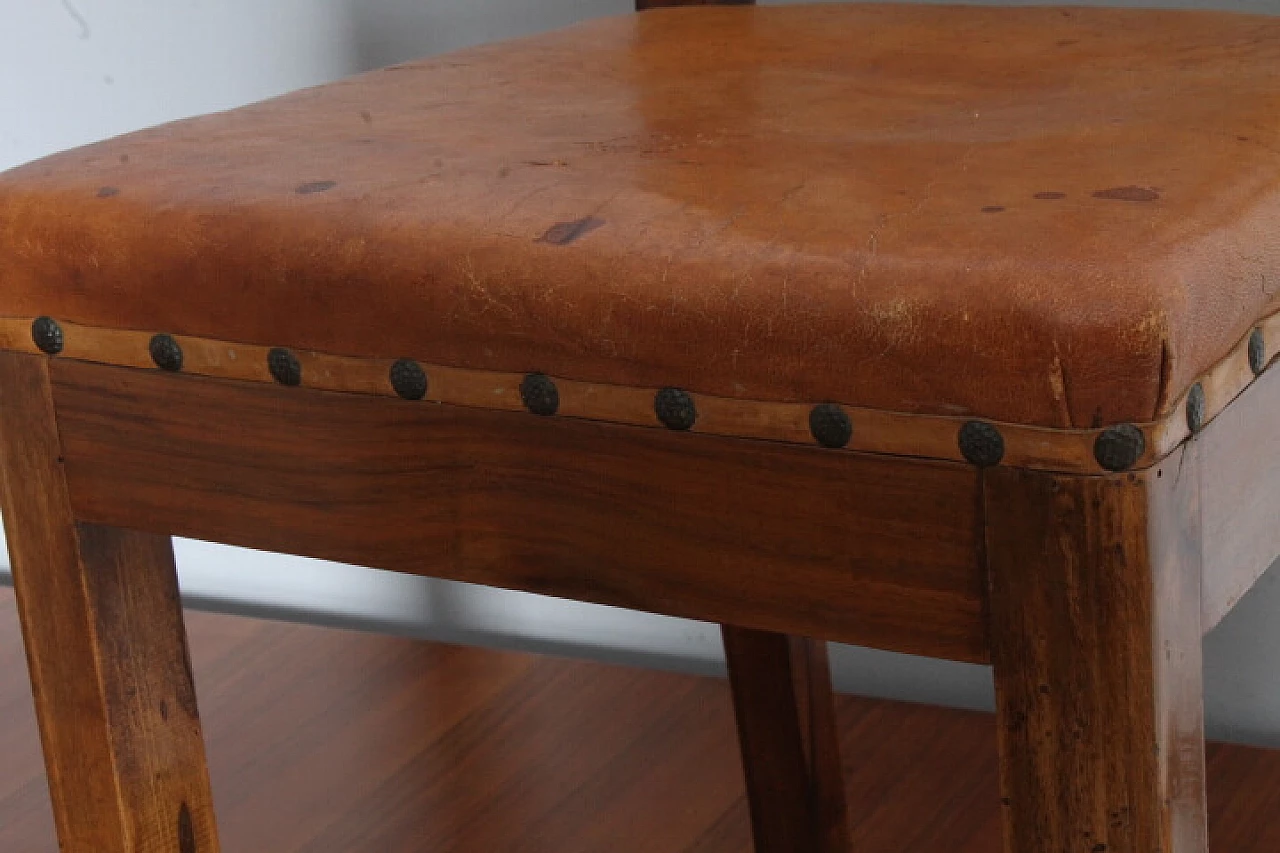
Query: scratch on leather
[[1060, 388]]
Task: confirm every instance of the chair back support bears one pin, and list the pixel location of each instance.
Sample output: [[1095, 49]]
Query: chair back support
[[641, 5]]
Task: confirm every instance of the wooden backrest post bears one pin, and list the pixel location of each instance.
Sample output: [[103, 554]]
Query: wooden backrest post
[[641, 5]]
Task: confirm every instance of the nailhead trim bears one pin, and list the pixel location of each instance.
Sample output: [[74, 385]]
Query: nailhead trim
[[284, 367], [830, 426], [1195, 408], [675, 409], [981, 443], [166, 353], [539, 394], [47, 335], [1257, 351], [1120, 447], [408, 379]]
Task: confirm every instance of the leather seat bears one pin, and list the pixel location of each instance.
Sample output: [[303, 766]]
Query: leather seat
[[1047, 217]]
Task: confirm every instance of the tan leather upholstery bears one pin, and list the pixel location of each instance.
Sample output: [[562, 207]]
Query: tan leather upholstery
[[1046, 216]]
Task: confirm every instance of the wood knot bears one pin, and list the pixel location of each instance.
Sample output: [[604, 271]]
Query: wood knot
[[186, 831]]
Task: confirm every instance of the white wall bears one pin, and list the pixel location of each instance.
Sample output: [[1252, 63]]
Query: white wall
[[72, 71]]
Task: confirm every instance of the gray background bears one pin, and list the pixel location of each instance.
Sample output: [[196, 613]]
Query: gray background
[[78, 70]]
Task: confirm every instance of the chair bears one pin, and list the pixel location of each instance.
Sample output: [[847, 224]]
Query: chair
[[943, 330]]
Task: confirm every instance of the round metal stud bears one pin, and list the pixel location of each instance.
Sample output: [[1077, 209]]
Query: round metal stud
[[1119, 448], [47, 335], [1257, 351], [675, 408], [981, 443], [539, 394], [284, 366], [166, 353], [409, 379], [1195, 407], [830, 425]]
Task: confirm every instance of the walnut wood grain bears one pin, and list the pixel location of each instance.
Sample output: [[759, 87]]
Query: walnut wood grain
[[877, 551], [106, 650], [1095, 633], [787, 733]]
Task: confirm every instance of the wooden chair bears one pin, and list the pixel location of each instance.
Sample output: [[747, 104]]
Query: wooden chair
[[938, 330]]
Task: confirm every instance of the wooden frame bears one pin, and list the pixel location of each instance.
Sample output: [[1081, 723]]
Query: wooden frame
[[1088, 593], [789, 539], [789, 522]]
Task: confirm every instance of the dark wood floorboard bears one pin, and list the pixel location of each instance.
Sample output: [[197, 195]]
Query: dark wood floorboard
[[329, 741]]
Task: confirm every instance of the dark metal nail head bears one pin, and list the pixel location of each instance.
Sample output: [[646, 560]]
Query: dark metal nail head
[[166, 353], [675, 408], [1195, 407], [539, 394], [47, 335], [1119, 448], [981, 443], [830, 425], [1257, 351], [284, 366], [409, 379]]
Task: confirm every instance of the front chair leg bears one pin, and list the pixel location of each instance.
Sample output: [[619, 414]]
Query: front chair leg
[[106, 646], [787, 729], [1096, 641]]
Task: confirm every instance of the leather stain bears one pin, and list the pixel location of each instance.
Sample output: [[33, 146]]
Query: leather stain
[[1050, 196], [1128, 194], [315, 187], [564, 233]]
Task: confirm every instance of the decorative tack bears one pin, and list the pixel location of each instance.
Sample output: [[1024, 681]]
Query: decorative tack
[[1257, 351], [166, 353], [981, 443], [47, 335], [1120, 447], [540, 395], [1195, 407], [284, 366], [675, 408], [409, 379], [830, 425]]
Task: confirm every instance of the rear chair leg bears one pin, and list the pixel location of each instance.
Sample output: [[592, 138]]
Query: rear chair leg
[[106, 647], [787, 729]]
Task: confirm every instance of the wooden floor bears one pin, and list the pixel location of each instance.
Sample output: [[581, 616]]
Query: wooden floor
[[328, 741]]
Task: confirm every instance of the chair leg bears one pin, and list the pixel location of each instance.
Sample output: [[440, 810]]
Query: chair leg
[[1095, 636], [106, 646], [787, 729]]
